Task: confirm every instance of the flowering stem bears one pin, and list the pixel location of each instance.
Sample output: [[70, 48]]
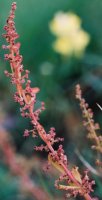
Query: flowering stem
[[26, 97]]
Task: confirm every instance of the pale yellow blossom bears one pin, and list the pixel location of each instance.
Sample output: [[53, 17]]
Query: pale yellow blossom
[[64, 24], [80, 42], [70, 37], [63, 46]]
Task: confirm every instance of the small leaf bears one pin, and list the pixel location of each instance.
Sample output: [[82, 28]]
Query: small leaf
[[68, 187], [76, 174], [55, 164]]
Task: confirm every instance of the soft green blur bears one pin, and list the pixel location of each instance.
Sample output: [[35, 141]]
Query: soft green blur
[[56, 76]]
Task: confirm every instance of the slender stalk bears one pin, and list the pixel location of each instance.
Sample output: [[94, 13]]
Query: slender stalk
[[26, 97]]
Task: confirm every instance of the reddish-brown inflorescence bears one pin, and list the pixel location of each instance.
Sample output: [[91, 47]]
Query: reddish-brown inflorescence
[[26, 97], [89, 123]]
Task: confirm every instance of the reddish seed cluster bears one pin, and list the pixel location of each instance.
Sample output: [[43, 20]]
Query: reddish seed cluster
[[59, 156], [86, 184], [74, 190], [26, 97]]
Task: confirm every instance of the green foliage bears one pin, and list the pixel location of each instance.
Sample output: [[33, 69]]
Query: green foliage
[[8, 185]]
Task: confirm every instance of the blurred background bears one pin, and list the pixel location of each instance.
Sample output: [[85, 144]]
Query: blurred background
[[61, 44]]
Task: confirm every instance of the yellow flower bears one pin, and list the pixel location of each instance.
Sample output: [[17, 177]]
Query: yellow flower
[[64, 24], [63, 46], [80, 41], [71, 38]]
